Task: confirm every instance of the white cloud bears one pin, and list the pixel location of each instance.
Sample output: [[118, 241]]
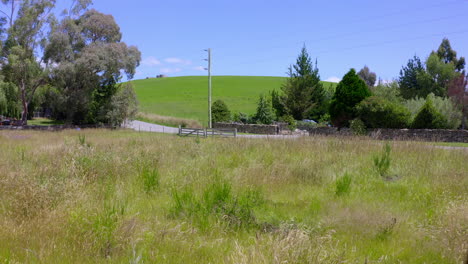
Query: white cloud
[[199, 68], [151, 62], [170, 70], [178, 61], [333, 79]]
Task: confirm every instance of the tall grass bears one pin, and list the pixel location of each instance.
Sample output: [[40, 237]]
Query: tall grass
[[168, 120], [102, 196]]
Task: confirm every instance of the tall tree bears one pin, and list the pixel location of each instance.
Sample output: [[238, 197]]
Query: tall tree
[[303, 92], [448, 55], [89, 59], [408, 80], [458, 91], [25, 35], [350, 91], [368, 76]]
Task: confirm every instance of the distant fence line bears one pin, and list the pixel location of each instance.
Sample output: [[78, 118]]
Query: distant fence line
[[206, 132]]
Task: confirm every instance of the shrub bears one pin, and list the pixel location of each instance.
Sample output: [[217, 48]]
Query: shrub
[[292, 124], [358, 127], [377, 112], [264, 114], [349, 92], [241, 118], [429, 117], [220, 112], [343, 185], [445, 106]]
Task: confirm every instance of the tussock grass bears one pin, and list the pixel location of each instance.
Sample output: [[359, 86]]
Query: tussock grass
[[124, 197]]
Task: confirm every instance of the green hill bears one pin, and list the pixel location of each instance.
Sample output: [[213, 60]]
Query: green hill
[[186, 97]]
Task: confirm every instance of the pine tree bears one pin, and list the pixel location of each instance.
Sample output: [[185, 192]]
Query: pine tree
[[349, 92], [264, 113], [303, 93]]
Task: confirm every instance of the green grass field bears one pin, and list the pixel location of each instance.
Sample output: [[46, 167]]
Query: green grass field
[[187, 97], [99, 196]]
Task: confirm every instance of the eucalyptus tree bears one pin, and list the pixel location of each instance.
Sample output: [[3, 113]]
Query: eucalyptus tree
[[21, 65], [88, 59]]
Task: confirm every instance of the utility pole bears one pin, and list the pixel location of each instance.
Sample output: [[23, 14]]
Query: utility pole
[[209, 87]]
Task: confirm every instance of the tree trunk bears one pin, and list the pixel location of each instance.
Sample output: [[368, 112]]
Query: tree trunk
[[24, 102]]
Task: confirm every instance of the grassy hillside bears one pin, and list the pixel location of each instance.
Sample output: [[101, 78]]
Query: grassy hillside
[[96, 196], [186, 97]]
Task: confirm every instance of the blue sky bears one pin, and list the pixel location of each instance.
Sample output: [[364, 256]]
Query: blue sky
[[263, 37]]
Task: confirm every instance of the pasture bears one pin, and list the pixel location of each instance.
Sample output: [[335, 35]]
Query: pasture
[[98, 196], [187, 97]]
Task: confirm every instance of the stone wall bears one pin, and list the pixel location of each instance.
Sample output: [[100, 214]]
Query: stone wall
[[249, 128], [441, 135]]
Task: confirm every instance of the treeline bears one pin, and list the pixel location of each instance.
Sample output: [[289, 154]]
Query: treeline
[[430, 94], [68, 67]]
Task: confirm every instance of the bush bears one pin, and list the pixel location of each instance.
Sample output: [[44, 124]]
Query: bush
[[358, 127], [377, 112], [349, 92], [292, 124], [445, 106], [241, 118], [264, 114], [220, 112], [429, 117]]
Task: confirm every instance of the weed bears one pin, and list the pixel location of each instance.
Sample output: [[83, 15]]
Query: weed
[[150, 178], [343, 185], [218, 203], [382, 162], [82, 141]]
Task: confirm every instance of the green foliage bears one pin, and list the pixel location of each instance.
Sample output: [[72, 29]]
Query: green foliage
[[264, 113], [343, 185], [440, 74], [409, 84], [376, 112], [388, 91], [303, 93], [150, 178], [358, 127], [448, 55], [89, 60], [350, 91], [220, 112], [217, 204], [277, 103], [241, 118], [122, 106], [292, 124], [382, 162], [11, 103], [445, 106], [428, 117]]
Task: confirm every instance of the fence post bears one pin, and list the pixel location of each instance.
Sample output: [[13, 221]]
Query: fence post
[[235, 132], [180, 130]]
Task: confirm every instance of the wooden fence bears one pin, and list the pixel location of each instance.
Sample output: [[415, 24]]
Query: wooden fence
[[207, 132]]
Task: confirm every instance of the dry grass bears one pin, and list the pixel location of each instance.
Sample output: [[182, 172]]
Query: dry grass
[[168, 120], [108, 196]]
